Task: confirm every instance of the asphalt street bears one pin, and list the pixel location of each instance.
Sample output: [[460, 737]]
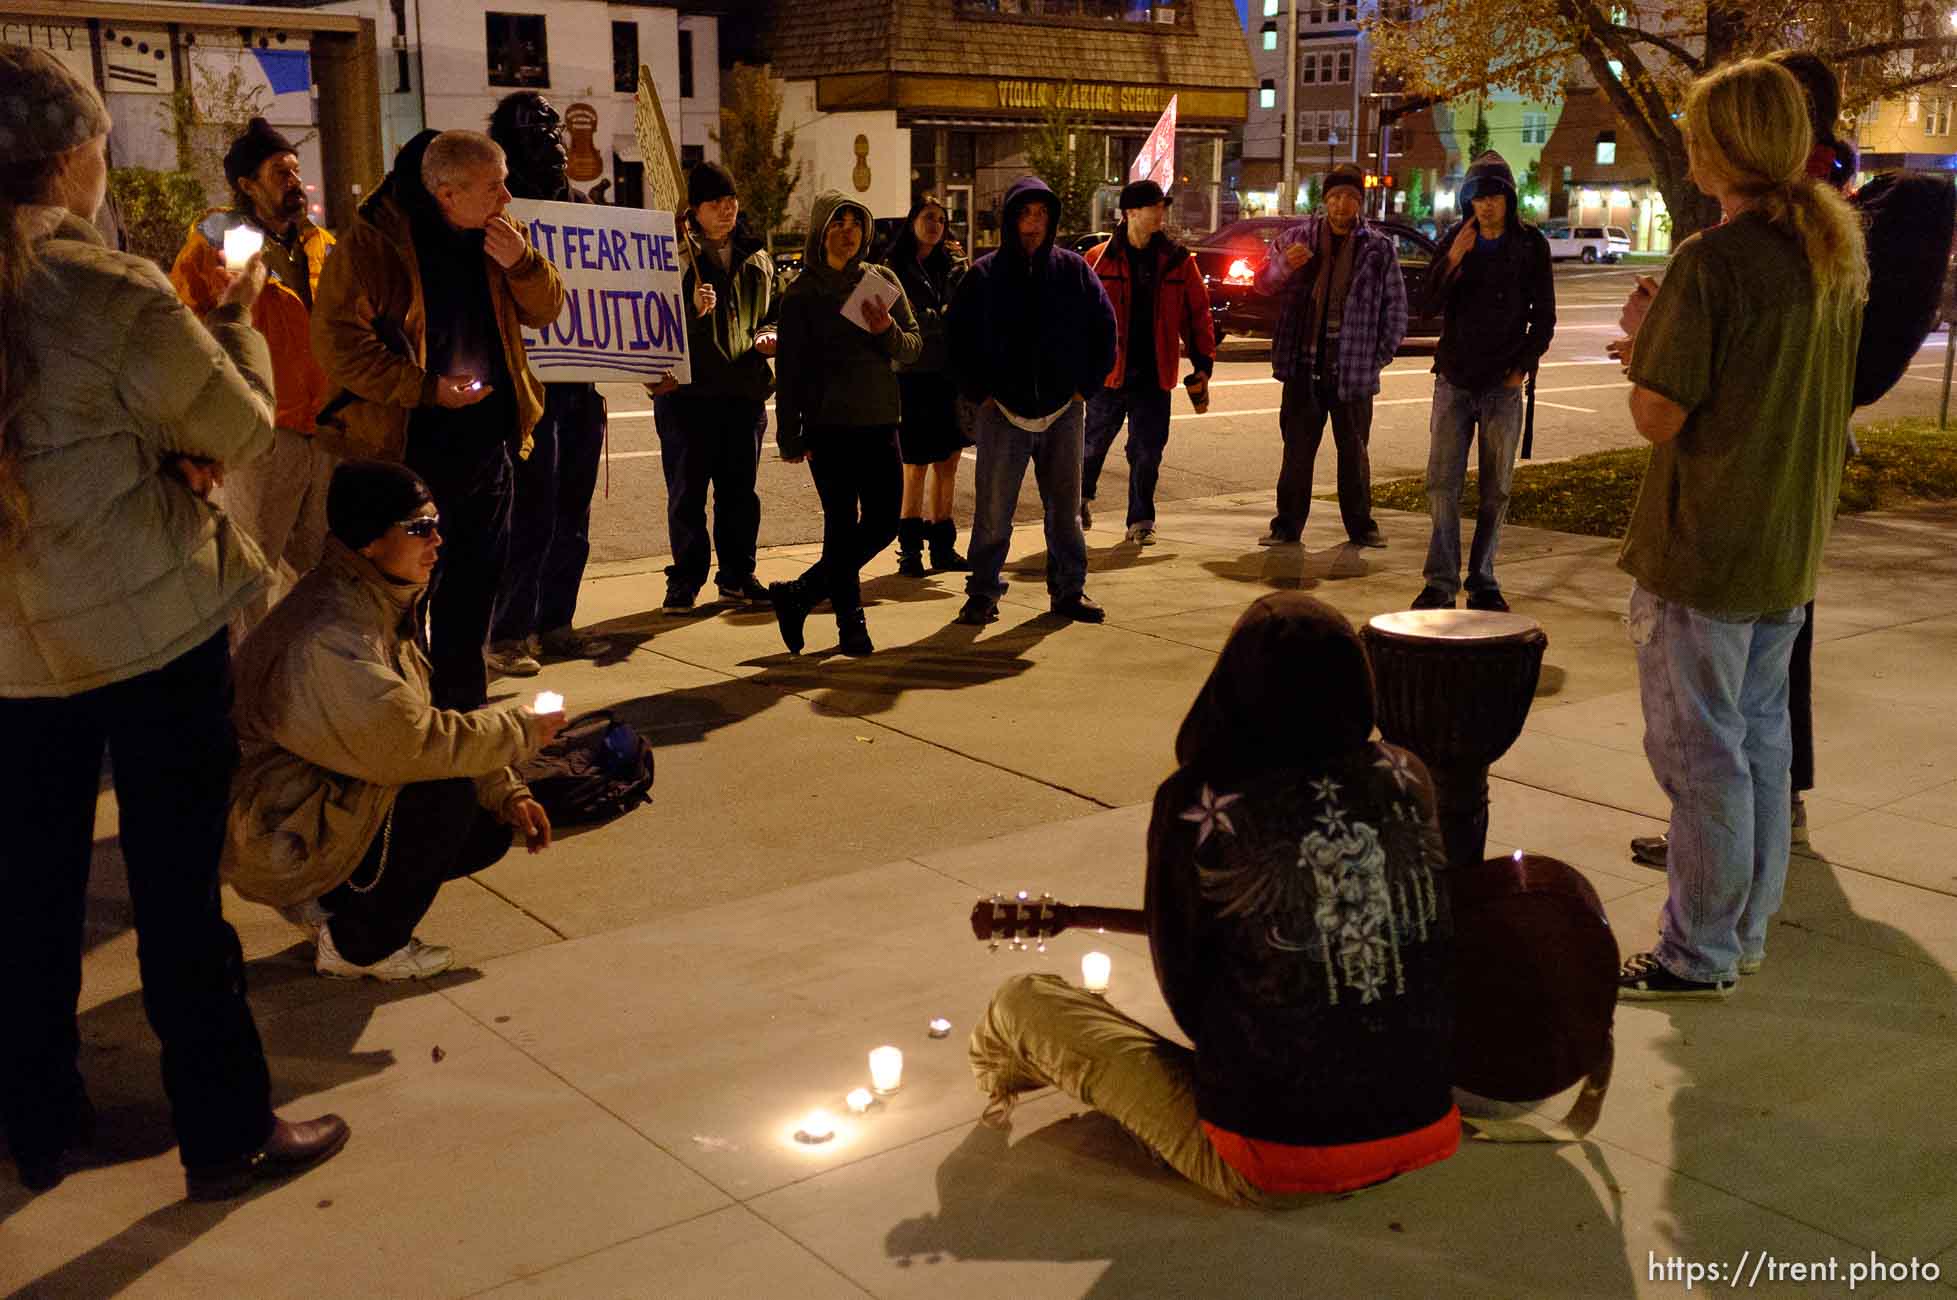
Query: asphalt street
[[1234, 447]]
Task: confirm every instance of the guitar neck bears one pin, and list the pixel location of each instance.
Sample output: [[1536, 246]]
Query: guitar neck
[[1115, 920]]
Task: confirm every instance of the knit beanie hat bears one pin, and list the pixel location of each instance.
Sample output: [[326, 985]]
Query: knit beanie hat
[[706, 182], [1344, 174], [1141, 194], [368, 497], [249, 151], [44, 108]]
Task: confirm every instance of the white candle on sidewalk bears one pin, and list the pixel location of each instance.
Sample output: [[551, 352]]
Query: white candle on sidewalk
[[1094, 968], [886, 1069], [547, 702]]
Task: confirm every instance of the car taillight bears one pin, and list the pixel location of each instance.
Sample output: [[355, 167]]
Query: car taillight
[[1240, 272]]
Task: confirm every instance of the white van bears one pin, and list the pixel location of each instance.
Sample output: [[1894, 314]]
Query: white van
[[1591, 243]]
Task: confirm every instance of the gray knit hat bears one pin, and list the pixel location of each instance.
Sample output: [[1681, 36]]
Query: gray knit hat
[[44, 108]]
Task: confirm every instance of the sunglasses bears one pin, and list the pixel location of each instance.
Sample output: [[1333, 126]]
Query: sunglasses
[[421, 526]]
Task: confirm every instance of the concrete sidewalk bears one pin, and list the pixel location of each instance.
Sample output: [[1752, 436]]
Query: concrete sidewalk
[[600, 1103]]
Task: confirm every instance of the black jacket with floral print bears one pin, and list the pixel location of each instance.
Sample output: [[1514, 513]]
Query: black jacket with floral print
[[1299, 924]]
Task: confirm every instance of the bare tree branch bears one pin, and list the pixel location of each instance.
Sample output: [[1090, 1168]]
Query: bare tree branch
[[1667, 44]]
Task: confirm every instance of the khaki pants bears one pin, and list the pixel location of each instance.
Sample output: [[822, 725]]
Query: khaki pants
[[1041, 1032], [280, 501]]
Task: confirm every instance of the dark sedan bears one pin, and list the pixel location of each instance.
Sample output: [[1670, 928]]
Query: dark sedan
[[1230, 258]]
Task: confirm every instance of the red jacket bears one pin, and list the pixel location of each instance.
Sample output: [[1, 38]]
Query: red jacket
[[1182, 309]]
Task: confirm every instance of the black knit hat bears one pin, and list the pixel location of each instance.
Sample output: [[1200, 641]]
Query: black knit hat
[[1344, 174], [368, 497], [1141, 194], [249, 151], [706, 182]]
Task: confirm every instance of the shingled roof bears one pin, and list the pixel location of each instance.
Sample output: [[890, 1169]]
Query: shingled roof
[[827, 37]]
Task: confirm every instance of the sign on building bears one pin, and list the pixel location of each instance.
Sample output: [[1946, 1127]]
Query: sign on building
[[624, 317]]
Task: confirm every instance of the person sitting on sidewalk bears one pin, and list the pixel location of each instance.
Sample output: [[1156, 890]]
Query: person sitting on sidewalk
[[1342, 311], [930, 264], [1742, 370], [1500, 296], [710, 430], [280, 498], [1031, 334], [357, 797], [1298, 917], [550, 516], [1160, 307]]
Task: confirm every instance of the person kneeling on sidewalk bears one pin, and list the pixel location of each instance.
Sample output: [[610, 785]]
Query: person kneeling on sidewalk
[[356, 797], [1297, 912]]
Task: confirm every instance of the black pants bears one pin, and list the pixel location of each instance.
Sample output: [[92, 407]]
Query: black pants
[[472, 490], [1303, 410], [439, 833], [550, 521], [710, 441], [169, 737], [859, 475], [1800, 703]]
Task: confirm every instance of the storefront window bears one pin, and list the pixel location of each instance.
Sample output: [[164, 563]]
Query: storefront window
[[518, 53], [1164, 13]]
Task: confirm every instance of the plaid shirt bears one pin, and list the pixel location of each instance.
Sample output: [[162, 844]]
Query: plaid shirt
[[1375, 318]]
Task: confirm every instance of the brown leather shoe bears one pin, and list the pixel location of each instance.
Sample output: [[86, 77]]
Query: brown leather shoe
[[291, 1149]]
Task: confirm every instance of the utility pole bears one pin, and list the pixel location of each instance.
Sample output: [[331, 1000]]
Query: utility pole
[[1287, 199]]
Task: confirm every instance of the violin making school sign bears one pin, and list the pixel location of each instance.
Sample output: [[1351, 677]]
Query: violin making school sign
[[624, 316]]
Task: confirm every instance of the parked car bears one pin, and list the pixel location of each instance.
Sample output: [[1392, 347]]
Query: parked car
[[1231, 256], [1082, 243], [1591, 243]]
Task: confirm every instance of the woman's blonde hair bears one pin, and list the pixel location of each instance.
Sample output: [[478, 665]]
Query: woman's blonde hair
[[1746, 127]]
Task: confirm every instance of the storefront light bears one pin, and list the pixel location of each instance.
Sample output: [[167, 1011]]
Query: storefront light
[[1444, 198], [1619, 197]]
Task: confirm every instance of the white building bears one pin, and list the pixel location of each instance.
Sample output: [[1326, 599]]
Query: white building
[[445, 64]]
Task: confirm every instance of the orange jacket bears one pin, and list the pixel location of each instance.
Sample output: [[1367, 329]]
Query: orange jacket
[[280, 315]]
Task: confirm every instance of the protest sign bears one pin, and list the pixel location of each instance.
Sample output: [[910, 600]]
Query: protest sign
[[624, 316]]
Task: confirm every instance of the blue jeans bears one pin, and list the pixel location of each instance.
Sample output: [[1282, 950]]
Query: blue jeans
[[1715, 729], [1147, 413], [550, 521], [1496, 411], [1003, 450]]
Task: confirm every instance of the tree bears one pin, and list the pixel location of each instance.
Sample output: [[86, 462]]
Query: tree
[[754, 148], [1054, 152], [1643, 54], [205, 118], [1419, 204], [1479, 136]]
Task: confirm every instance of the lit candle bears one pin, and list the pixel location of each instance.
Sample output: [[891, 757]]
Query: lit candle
[[940, 1027], [886, 1070], [816, 1127], [547, 702], [859, 1100], [241, 243], [1094, 969]]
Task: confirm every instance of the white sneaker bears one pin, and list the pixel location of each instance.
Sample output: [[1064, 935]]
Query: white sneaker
[[1142, 534], [413, 960], [511, 659], [308, 918]]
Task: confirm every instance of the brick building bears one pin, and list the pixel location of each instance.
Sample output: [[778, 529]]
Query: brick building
[[1595, 173]]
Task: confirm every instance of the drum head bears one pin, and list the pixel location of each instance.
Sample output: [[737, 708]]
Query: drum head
[[1535, 978], [1454, 624]]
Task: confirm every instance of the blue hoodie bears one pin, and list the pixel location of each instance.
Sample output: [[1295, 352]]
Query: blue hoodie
[[1030, 331]]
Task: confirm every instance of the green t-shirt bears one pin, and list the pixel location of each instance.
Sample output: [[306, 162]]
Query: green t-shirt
[[1734, 511]]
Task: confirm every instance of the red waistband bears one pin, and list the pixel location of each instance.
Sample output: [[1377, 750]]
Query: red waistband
[[1286, 1169]]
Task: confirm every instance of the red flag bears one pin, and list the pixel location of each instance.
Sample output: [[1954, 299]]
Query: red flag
[[1157, 160]]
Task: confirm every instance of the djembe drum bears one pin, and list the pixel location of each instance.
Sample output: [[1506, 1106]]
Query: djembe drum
[[1454, 686]]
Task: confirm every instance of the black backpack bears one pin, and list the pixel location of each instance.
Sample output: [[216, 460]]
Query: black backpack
[[1909, 219], [597, 769]]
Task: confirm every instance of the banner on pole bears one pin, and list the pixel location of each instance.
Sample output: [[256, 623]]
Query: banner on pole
[[624, 317], [1157, 160]]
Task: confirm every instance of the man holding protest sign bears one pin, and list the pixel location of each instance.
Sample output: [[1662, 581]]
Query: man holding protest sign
[[550, 522], [710, 429], [417, 322]]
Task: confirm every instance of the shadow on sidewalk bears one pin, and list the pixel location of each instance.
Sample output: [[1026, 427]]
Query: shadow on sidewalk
[[952, 658], [1080, 1190], [1293, 568]]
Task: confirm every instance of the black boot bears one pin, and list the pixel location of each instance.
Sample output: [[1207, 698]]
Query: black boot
[[943, 535], [854, 634], [792, 601], [910, 547]]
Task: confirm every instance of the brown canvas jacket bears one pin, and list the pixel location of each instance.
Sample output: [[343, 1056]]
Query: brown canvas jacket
[[370, 332]]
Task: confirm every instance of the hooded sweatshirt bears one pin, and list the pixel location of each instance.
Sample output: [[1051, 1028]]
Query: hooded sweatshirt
[[1298, 914], [830, 371], [1501, 302], [1030, 330]]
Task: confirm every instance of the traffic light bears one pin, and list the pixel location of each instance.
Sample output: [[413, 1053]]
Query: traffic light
[[1372, 181]]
